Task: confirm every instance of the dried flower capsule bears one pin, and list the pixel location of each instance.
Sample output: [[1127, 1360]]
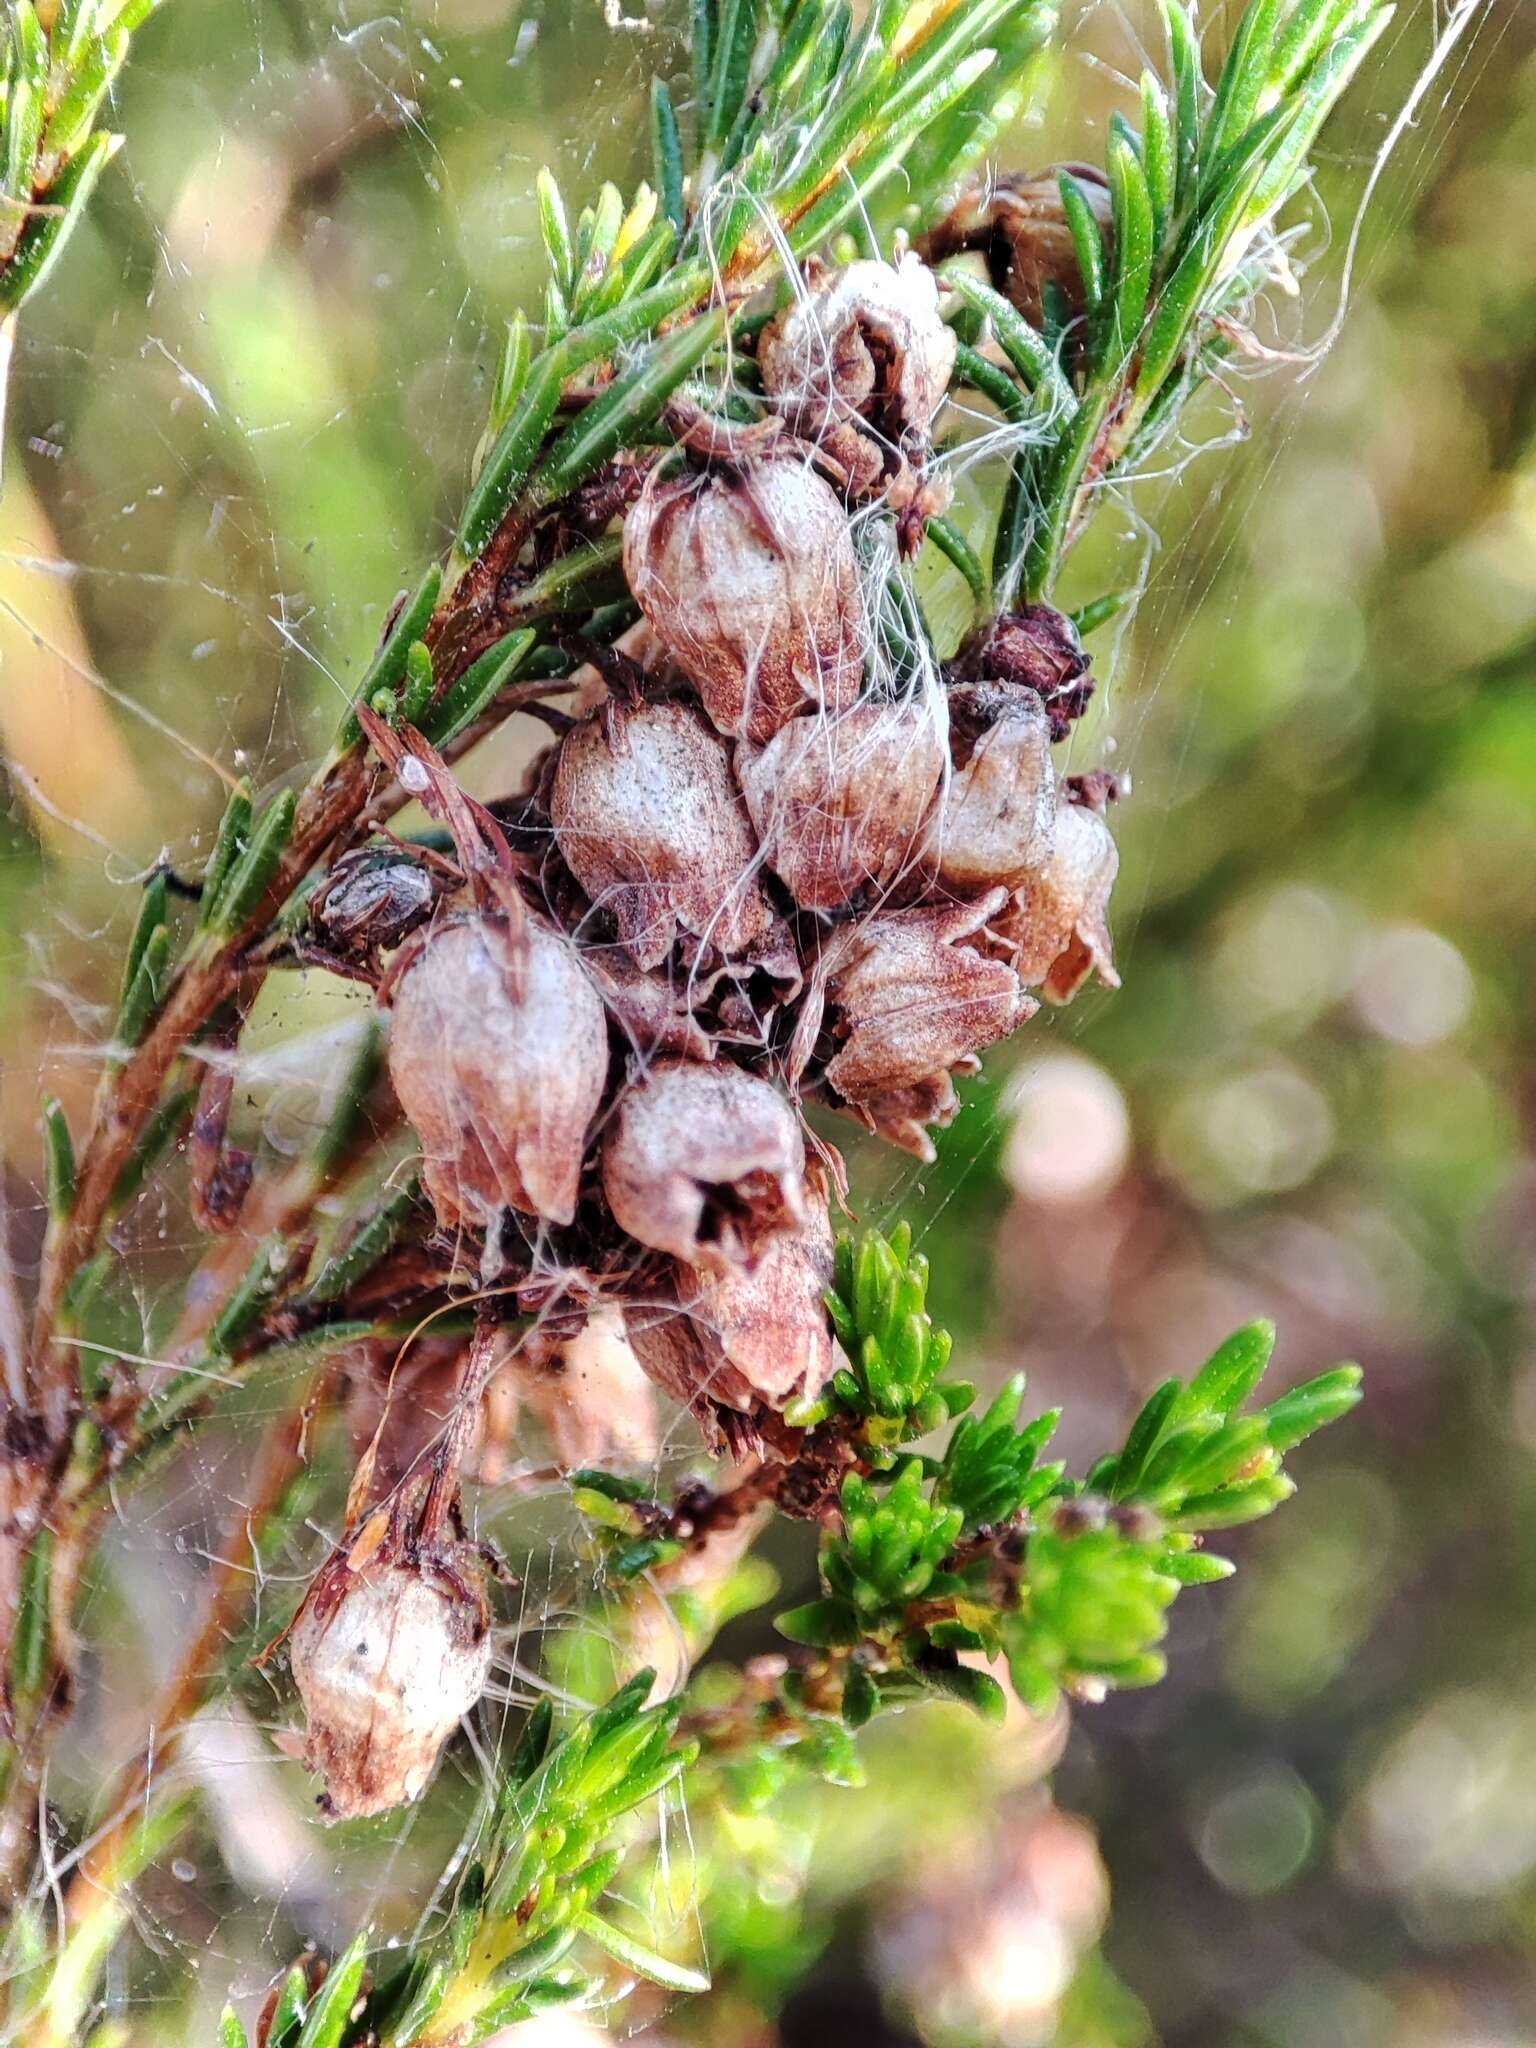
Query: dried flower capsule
[[390, 1650], [861, 363], [752, 1336], [1039, 647], [499, 1055], [845, 804], [1020, 222], [749, 579], [1056, 928], [704, 1162], [911, 999], [1000, 808], [649, 819]]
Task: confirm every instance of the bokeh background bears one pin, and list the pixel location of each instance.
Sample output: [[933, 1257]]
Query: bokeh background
[[239, 419]]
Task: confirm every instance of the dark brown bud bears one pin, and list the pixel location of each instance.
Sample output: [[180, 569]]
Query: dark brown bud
[[1020, 222], [389, 1652], [649, 819], [372, 899], [1056, 927], [911, 999], [1040, 648], [754, 1336], [704, 1162], [846, 804], [499, 1055], [861, 363], [749, 579], [1000, 808]]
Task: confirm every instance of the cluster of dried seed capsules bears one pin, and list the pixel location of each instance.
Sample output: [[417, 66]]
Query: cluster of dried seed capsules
[[770, 866]]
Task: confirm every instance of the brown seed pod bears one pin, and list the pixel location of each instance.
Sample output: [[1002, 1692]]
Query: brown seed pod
[[1000, 808], [846, 804], [1056, 927], [498, 1053], [1020, 222], [861, 363], [911, 999], [390, 1650], [749, 579], [648, 817], [750, 1337], [1039, 647], [704, 1162]]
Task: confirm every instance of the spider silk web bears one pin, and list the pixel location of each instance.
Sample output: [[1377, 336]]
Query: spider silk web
[[240, 420]]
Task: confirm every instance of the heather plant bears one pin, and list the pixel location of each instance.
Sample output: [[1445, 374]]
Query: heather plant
[[797, 850]]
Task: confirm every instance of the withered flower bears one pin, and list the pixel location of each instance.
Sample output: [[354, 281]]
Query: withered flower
[[1039, 647], [905, 1116], [751, 1336], [595, 1404], [911, 999], [648, 817], [390, 1650], [499, 1056], [999, 820], [1056, 927], [1020, 222], [749, 580], [845, 804], [861, 362], [704, 1162]]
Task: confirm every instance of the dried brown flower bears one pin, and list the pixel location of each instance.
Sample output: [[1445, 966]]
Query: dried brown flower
[[1020, 222], [648, 817], [749, 579], [1056, 927], [844, 804], [1039, 647], [753, 1336], [390, 1650], [704, 1162], [999, 819], [861, 363], [911, 999], [499, 1055]]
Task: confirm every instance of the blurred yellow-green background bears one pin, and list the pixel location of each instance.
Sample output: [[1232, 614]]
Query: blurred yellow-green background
[[241, 418]]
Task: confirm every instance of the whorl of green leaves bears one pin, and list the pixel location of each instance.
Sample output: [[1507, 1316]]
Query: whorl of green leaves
[[1193, 189], [983, 1549], [530, 1917], [799, 120], [55, 82]]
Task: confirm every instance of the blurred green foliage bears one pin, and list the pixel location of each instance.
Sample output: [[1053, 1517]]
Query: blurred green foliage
[[247, 405]]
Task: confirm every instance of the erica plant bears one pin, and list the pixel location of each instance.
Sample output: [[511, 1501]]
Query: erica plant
[[789, 855]]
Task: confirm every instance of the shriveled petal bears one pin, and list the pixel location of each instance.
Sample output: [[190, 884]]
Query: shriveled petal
[[913, 999], [1056, 928], [844, 804], [499, 1056], [704, 1162], [387, 1660], [750, 582], [648, 817], [1000, 809], [868, 341], [755, 1336]]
